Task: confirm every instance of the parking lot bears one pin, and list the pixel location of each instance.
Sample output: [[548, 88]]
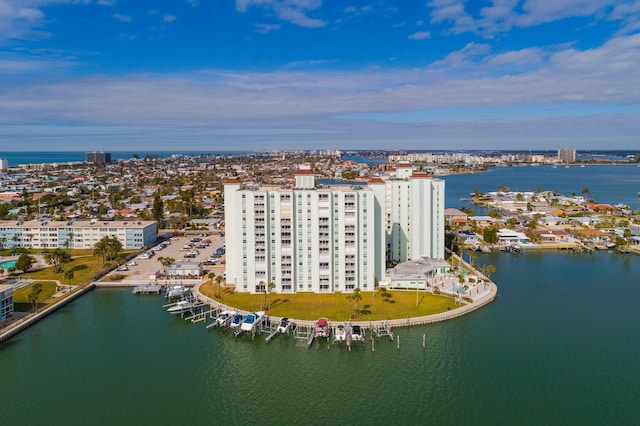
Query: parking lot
[[176, 248]]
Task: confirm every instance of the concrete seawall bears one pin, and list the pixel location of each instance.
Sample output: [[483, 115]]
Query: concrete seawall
[[405, 322], [32, 319]]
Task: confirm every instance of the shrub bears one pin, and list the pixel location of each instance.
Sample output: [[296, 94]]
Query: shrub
[[116, 277]]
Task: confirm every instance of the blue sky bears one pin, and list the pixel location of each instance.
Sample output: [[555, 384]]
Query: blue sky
[[283, 74]]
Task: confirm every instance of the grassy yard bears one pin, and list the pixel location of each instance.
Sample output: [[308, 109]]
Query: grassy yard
[[84, 265], [21, 296], [84, 268], [310, 306]]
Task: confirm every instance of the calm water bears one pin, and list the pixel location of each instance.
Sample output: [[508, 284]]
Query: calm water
[[607, 184], [558, 346]]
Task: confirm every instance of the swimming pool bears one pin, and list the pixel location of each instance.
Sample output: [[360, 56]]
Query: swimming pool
[[7, 264]]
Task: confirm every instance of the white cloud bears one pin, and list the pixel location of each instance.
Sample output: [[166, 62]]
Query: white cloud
[[266, 28], [502, 15], [169, 18], [36, 61], [420, 35], [17, 21], [122, 18], [293, 11], [472, 77]]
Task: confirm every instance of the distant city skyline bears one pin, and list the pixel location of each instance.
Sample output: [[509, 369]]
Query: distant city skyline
[[192, 75]]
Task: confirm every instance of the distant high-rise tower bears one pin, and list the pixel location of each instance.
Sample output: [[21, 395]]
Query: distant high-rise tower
[[4, 165], [99, 158], [567, 155]]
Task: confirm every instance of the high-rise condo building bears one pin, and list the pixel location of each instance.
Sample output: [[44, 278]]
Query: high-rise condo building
[[99, 158], [321, 238], [567, 155]]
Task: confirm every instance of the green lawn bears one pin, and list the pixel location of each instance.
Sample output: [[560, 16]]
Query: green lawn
[[84, 268], [21, 296], [310, 306], [84, 264]]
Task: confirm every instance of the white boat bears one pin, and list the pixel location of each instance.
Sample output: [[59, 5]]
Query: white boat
[[180, 307], [357, 334], [340, 333], [237, 321], [285, 326], [224, 318], [176, 291], [322, 327], [252, 320]]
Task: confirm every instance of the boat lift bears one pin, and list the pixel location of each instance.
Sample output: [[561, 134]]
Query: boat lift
[[383, 329]]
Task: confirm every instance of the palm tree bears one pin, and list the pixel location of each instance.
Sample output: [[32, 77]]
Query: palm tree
[[68, 275], [355, 297], [270, 286], [68, 242], [166, 262], [219, 279], [460, 282], [32, 297], [490, 270]]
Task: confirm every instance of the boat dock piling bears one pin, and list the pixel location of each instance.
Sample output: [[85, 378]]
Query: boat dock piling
[[384, 329]]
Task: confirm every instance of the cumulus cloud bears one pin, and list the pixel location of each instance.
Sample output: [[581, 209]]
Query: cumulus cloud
[[169, 18]]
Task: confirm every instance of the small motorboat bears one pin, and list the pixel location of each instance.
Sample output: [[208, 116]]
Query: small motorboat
[[322, 327], [224, 318], [237, 321], [357, 334], [285, 325], [252, 321], [181, 307], [176, 291], [340, 333]]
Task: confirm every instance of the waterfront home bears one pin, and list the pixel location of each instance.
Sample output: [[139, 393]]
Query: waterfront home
[[467, 237], [551, 236], [509, 236], [415, 274], [484, 221], [455, 217]]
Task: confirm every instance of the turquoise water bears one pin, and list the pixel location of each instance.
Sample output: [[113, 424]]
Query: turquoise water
[[8, 264]]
